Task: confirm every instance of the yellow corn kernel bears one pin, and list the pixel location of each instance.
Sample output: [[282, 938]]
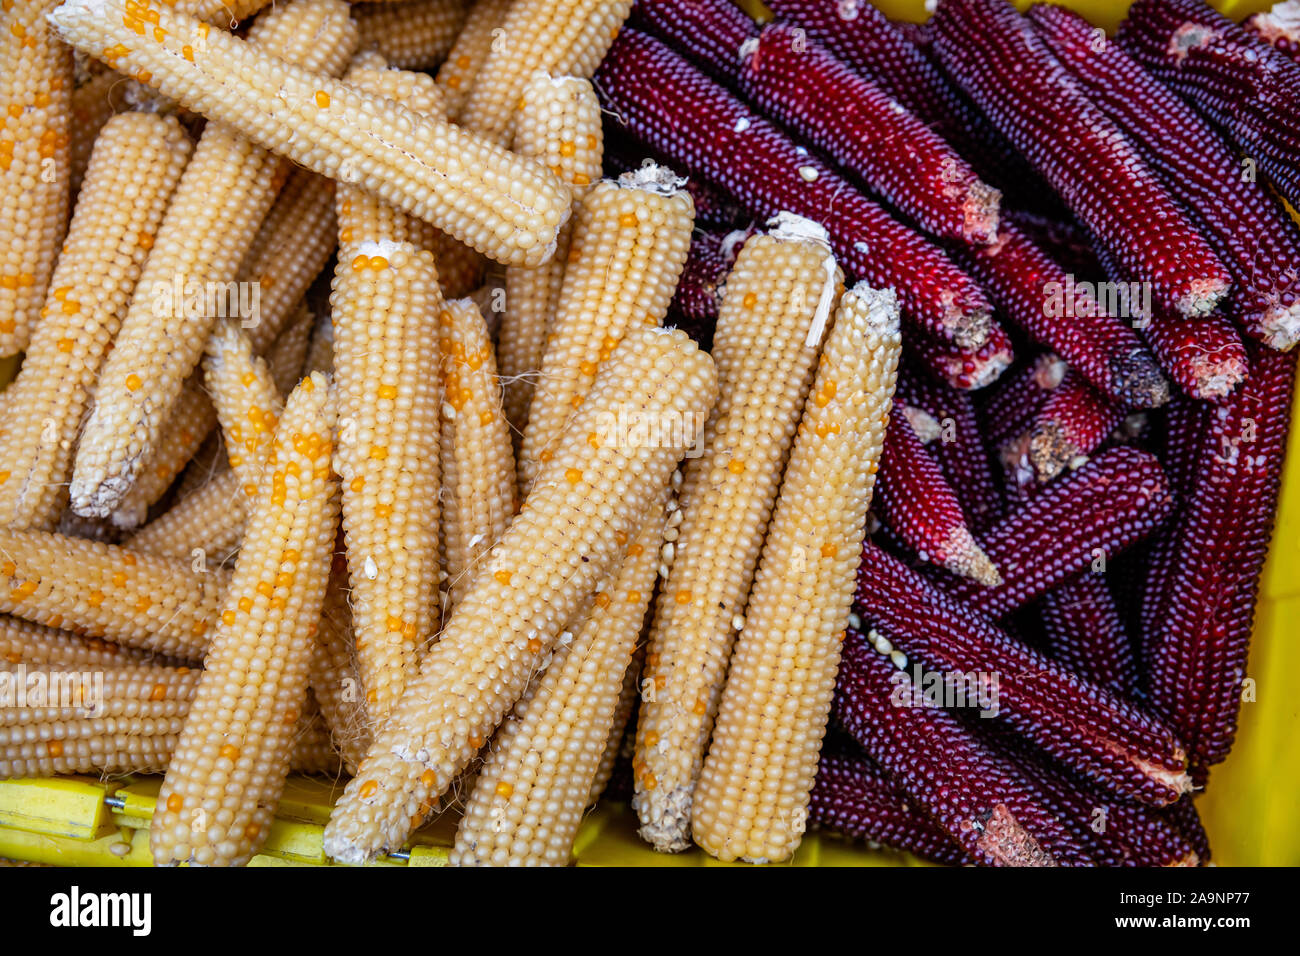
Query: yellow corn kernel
[[414, 35], [752, 798], [766, 355], [557, 552]]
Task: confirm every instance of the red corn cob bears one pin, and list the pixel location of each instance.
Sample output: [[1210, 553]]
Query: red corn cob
[[962, 368], [1059, 312], [959, 449], [1115, 832], [869, 134], [1204, 356], [854, 797], [992, 51], [1244, 224], [708, 32], [1084, 632], [1088, 728], [694, 307], [1183, 815], [1198, 656], [1246, 86], [1012, 406], [921, 508], [866, 41], [968, 793], [1069, 426], [714, 207], [674, 107], [1086, 517], [1070, 246], [1279, 27]]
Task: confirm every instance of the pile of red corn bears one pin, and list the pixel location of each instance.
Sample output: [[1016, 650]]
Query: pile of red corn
[[1102, 290]]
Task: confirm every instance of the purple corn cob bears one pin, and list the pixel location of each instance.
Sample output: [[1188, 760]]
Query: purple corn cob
[[1115, 832], [959, 448], [709, 33], [1057, 311], [992, 51], [694, 307], [854, 797], [1246, 226], [962, 368], [1086, 727], [1014, 403], [971, 795], [1250, 89], [869, 134], [674, 107], [1198, 656], [866, 41], [1183, 815], [1084, 631], [1090, 515], [921, 508], [1070, 425], [1279, 27]]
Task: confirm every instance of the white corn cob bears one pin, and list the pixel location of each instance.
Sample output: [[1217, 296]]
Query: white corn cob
[[458, 72]]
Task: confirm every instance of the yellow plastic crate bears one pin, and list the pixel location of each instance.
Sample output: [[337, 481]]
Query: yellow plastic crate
[[1250, 809]]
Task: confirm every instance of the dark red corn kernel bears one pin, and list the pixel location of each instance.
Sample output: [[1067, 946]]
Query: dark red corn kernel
[[920, 507], [694, 307], [854, 797], [1059, 311], [936, 760], [869, 134], [1088, 728], [1197, 661], [962, 368], [1075, 524], [709, 33], [1246, 226], [1063, 240], [666, 102], [1184, 816], [866, 41], [1249, 88], [992, 51], [1069, 426], [959, 447], [1084, 631], [1279, 27]]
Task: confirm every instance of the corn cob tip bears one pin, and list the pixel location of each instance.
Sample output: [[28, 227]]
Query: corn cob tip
[[652, 177], [787, 225], [967, 558], [925, 425]]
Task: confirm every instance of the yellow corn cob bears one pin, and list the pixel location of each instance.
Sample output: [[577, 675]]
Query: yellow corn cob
[[287, 357], [559, 125], [385, 308], [248, 403], [596, 489], [221, 12], [770, 324], [556, 36], [505, 207], [222, 786], [135, 599], [334, 678], [478, 466], [226, 190], [618, 734], [137, 162], [204, 526], [208, 462], [291, 248], [289, 252], [39, 644], [458, 72], [93, 104], [629, 243], [460, 268], [320, 351], [128, 692], [752, 797], [415, 35], [534, 786], [35, 106]]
